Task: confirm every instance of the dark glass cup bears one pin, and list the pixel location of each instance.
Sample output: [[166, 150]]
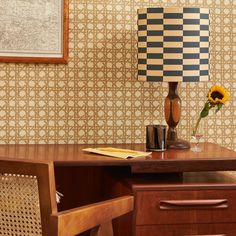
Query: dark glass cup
[[156, 137]]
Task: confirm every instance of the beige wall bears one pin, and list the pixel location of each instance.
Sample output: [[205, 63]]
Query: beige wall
[[96, 97]]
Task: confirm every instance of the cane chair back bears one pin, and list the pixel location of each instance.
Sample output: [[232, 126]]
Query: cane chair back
[[19, 205], [28, 204]]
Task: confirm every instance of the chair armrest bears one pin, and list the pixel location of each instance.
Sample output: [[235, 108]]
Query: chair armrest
[[77, 220]]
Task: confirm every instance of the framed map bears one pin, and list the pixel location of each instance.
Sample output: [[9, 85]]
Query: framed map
[[34, 31]]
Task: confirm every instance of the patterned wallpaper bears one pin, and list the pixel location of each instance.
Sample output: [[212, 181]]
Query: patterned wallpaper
[[96, 97]]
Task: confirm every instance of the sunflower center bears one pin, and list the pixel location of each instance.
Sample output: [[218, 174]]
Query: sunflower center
[[216, 94]]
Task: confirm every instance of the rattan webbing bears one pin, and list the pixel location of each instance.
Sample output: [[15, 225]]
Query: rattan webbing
[[19, 206]]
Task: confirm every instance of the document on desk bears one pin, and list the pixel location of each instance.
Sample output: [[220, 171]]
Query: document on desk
[[117, 152]]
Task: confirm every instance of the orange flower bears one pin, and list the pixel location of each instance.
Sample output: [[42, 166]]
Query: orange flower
[[216, 97], [218, 94]]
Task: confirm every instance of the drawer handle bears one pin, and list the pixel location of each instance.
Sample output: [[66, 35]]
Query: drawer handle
[[206, 235], [178, 204]]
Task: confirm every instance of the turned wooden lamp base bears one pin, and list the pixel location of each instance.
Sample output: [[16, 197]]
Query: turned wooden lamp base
[[172, 116], [178, 144]]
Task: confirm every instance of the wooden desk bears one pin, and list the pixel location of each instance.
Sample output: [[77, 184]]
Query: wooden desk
[[212, 158], [161, 176]]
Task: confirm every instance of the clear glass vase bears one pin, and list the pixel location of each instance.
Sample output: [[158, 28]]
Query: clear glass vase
[[197, 137], [195, 143]]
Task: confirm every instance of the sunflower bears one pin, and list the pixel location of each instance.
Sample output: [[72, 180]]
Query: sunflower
[[218, 94], [216, 98]]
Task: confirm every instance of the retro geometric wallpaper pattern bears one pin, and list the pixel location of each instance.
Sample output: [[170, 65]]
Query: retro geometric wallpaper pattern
[[96, 97]]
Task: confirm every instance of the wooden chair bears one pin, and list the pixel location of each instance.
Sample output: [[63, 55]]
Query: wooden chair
[[28, 204]]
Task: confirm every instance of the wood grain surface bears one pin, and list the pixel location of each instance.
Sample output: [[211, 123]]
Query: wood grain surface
[[212, 158]]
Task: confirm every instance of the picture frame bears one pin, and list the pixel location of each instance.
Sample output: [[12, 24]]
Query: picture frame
[[34, 31]]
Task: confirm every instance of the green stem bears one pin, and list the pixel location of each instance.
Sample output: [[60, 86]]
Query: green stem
[[196, 126]]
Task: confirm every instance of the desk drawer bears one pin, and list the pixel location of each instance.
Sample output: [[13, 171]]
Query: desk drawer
[[187, 230], [181, 207]]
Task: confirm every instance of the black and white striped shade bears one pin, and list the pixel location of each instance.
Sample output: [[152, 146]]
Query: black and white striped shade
[[173, 44]]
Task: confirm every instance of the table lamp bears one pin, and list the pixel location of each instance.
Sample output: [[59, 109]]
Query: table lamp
[[173, 46]]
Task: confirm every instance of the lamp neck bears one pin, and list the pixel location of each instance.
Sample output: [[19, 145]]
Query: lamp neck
[[172, 110], [173, 89]]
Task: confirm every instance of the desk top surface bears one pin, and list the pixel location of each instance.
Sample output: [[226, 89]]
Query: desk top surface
[[212, 158]]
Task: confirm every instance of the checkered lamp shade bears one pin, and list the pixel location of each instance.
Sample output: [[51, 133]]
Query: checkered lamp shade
[[173, 44]]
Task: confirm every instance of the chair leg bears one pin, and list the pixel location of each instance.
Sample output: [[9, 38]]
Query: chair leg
[[105, 229]]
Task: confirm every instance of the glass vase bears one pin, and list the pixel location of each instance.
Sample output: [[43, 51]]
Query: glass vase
[[195, 143], [197, 137]]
